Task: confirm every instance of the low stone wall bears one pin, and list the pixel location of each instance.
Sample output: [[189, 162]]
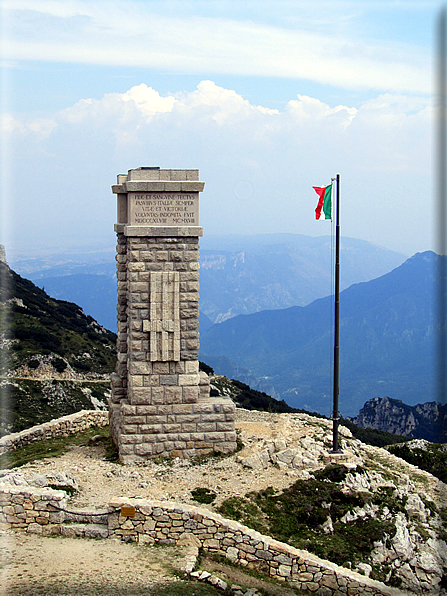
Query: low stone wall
[[43, 511], [167, 522], [35, 510], [61, 427]]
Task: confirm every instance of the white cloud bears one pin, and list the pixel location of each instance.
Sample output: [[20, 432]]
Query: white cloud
[[208, 102], [223, 106], [39, 127], [9, 124], [142, 108], [309, 108], [143, 35], [382, 150], [148, 100]]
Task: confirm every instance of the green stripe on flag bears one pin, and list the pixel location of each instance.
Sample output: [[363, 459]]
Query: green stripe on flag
[[327, 203]]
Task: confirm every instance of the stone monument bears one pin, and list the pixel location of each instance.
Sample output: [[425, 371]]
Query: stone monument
[[160, 404]]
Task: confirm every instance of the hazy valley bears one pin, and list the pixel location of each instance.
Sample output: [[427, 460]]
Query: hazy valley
[[387, 322], [238, 275]]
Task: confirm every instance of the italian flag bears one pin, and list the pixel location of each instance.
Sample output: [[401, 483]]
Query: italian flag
[[324, 206]]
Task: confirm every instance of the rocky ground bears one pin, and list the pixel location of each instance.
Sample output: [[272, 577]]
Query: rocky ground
[[278, 450]]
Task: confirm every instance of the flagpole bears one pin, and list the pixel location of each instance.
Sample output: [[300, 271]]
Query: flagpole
[[335, 413]]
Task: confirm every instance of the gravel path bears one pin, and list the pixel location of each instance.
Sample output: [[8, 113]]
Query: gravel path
[[173, 480]]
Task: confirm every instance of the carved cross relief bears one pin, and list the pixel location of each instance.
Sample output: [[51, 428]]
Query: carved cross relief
[[164, 317]]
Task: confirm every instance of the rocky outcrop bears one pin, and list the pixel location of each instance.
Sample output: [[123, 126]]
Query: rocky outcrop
[[3, 255], [423, 421], [304, 453]]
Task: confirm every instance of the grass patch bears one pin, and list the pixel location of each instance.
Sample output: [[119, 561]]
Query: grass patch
[[53, 447], [265, 584], [203, 495], [376, 463], [68, 489]]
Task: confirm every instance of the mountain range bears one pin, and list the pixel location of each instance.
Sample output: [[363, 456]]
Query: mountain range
[[238, 275], [244, 275], [388, 333], [387, 324], [55, 360]]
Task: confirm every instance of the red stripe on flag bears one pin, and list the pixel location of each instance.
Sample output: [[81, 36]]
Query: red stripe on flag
[[320, 190]]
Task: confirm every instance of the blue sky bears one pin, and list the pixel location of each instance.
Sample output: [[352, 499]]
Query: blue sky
[[265, 98]]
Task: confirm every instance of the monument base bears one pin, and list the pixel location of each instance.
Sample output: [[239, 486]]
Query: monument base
[[173, 430]]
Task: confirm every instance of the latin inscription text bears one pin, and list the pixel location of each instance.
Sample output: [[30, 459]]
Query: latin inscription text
[[162, 209]]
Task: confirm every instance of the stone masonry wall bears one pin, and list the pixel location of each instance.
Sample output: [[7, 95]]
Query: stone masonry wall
[[160, 403], [61, 427], [168, 522], [35, 510]]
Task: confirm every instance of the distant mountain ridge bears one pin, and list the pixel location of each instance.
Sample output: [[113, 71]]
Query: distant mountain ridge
[[243, 275], [238, 274], [425, 421], [388, 331]]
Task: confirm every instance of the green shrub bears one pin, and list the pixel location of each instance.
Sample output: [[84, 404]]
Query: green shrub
[[59, 364], [433, 458], [296, 516], [203, 495]]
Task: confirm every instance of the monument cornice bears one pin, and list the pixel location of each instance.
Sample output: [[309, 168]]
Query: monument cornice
[[165, 231], [158, 186]]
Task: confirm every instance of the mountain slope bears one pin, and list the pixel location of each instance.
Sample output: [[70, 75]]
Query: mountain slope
[[242, 275], [54, 359], [32, 323], [387, 342]]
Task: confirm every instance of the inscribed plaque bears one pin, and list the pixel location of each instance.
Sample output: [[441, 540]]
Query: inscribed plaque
[[164, 209]]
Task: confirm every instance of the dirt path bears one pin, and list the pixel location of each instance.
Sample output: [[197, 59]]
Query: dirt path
[[32, 565]]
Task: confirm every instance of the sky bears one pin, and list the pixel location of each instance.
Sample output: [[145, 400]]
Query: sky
[[266, 98]]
